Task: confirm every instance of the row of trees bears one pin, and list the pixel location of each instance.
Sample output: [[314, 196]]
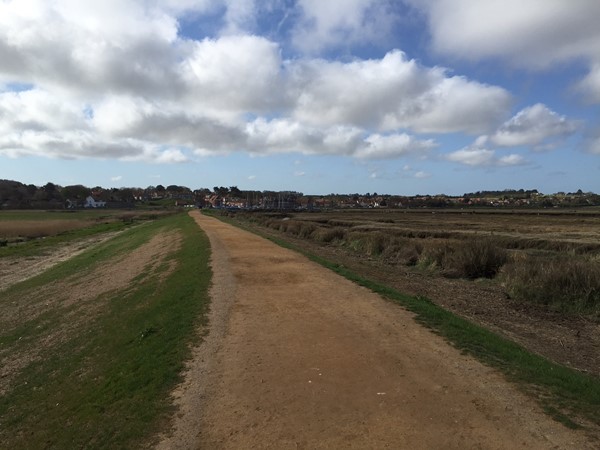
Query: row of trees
[[16, 195]]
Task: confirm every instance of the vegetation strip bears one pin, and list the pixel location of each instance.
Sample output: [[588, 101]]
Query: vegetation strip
[[37, 231], [107, 384], [569, 396]]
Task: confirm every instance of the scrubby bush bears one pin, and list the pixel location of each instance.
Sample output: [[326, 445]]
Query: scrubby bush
[[476, 258], [568, 282], [434, 255], [326, 235], [371, 243]]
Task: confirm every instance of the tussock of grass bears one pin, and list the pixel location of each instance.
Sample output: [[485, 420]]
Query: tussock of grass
[[568, 283], [326, 235]]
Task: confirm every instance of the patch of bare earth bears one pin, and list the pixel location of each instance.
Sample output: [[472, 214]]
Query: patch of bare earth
[[299, 357], [72, 303], [16, 269]]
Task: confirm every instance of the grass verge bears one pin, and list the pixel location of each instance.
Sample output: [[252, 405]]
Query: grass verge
[[107, 384], [569, 396], [39, 230]]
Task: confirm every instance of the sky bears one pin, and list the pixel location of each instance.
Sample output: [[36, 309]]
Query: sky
[[318, 96]]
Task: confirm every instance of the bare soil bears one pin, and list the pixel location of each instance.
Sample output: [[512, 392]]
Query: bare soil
[[16, 269], [298, 357]]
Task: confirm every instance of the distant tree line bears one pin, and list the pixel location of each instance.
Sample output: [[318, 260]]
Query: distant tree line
[[16, 195]]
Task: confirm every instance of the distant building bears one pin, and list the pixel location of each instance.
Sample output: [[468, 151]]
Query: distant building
[[90, 202]]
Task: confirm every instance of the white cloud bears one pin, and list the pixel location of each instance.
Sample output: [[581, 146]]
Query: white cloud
[[129, 86], [536, 126], [116, 178], [38, 110], [240, 16], [533, 34], [590, 85], [299, 173], [234, 74], [422, 175], [481, 157], [393, 146], [337, 23], [394, 93], [285, 136]]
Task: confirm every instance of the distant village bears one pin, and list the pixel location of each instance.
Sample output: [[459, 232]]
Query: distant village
[[16, 195]]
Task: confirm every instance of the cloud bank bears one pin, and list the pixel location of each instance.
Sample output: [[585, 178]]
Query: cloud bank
[[133, 86]]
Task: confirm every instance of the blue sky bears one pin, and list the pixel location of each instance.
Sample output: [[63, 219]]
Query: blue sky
[[338, 96]]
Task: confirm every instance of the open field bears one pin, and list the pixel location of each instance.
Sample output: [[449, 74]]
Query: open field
[[91, 348], [27, 225]]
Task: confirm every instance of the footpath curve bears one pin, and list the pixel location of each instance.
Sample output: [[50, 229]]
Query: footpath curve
[[299, 357]]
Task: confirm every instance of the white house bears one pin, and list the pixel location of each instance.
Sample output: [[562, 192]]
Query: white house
[[91, 203]]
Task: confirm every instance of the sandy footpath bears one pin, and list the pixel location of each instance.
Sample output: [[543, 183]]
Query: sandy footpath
[[298, 357]]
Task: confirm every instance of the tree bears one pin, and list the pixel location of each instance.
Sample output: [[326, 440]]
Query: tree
[[235, 192], [75, 192]]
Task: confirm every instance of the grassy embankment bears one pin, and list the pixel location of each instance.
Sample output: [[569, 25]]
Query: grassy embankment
[[571, 397], [28, 233], [104, 381]]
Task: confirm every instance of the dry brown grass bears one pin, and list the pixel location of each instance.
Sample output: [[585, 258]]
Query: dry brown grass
[[565, 283], [35, 229]]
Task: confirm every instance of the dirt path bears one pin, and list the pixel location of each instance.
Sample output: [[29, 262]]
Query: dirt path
[[298, 357]]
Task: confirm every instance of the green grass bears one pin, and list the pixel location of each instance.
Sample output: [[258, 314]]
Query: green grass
[[569, 396], [108, 384], [100, 221]]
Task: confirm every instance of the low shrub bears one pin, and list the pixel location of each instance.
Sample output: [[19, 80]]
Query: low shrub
[[306, 229], [402, 251], [476, 258], [566, 283], [327, 235], [434, 255], [371, 243]]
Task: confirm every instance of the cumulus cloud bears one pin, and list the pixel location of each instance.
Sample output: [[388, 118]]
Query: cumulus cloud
[[481, 157], [284, 136], [392, 146], [533, 34], [335, 23], [536, 33], [394, 93], [536, 126], [129, 86], [590, 85]]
